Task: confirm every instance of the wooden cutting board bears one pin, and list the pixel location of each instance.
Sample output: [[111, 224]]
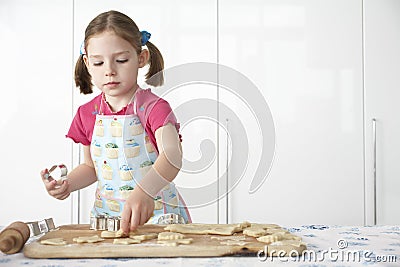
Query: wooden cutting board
[[202, 246]]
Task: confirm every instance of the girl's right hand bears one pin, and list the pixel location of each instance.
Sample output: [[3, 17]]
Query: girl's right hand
[[56, 189]]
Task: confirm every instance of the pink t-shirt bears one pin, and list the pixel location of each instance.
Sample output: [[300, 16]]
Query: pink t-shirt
[[153, 112]]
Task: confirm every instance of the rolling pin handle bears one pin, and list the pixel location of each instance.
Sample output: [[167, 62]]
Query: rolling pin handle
[[14, 237], [7, 244]]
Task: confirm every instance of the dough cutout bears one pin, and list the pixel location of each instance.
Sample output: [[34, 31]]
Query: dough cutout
[[170, 236], [269, 238], [232, 238], [279, 236], [204, 229], [176, 242], [233, 243], [88, 239], [143, 237], [113, 234], [54, 242], [255, 231], [126, 241], [265, 226]]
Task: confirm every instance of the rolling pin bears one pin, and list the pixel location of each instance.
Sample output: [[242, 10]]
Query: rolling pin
[[14, 237]]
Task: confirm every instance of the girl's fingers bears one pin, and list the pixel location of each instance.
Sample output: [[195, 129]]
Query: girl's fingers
[[135, 220], [125, 218], [144, 217], [58, 190], [63, 196], [50, 184], [43, 174]]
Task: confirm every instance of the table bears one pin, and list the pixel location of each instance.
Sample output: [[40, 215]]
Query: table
[[327, 246]]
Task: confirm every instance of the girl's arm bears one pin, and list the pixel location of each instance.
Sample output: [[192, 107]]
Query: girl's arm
[[168, 163], [80, 177], [140, 205], [84, 174]]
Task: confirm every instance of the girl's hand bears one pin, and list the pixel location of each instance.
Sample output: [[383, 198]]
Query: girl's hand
[[56, 189], [139, 207]]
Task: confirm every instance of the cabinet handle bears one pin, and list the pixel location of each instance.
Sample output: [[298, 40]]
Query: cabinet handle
[[374, 160], [79, 191], [227, 172]]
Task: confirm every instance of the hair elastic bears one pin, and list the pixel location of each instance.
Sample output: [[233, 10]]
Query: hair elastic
[[145, 37], [82, 50]]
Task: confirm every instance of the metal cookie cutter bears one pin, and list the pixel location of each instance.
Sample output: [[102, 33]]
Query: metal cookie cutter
[[41, 227], [113, 223], [98, 222], [63, 172], [171, 218], [102, 222]]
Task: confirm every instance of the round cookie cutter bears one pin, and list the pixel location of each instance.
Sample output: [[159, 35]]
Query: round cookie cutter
[[61, 172]]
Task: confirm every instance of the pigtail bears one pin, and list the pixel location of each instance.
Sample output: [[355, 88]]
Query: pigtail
[[155, 75], [83, 80]]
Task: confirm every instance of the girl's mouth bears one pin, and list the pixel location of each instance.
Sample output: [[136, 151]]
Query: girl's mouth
[[112, 84]]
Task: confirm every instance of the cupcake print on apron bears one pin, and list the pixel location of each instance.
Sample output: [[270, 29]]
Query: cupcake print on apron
[[123, 154]]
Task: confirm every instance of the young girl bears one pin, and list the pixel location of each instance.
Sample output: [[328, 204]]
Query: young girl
[[129, 135]]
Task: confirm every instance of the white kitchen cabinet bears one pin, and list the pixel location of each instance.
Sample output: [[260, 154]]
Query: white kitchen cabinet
[[382, 95], [306, 59], [36, 70], [185, 32], [326, 68]]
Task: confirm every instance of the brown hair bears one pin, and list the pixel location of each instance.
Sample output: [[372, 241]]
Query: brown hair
[[124, 27]]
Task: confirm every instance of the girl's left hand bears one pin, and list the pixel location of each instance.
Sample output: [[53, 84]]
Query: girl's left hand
[[139, 207]]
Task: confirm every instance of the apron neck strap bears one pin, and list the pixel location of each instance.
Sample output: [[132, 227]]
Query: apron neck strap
[[104, 105]]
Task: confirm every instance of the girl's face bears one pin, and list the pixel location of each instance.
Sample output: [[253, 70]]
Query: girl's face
[[113, 64]]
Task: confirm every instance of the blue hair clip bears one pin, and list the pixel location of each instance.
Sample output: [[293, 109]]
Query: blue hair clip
[[82, 50], [145, 37]]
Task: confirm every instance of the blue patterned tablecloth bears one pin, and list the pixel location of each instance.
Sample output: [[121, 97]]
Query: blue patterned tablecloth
[[327, 246]]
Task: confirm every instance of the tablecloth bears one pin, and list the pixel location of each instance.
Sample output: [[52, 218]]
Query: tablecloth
[[326, 246]]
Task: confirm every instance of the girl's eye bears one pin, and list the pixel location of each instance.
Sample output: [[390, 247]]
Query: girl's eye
[[122, 60], [99, 63]]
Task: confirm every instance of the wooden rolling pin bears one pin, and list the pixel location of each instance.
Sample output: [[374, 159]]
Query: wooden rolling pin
[[14, 237]]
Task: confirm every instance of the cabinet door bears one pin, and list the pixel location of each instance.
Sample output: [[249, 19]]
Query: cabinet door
[[35, 51], [184, 33], [307, 63], [382, 81]]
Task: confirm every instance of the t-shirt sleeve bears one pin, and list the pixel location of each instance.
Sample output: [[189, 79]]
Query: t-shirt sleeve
[[77, 131], [160, 115]]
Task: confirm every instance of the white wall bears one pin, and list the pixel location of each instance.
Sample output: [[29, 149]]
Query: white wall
[[36, 106]]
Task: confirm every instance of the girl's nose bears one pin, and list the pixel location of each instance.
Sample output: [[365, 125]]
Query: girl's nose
[[110, 71]]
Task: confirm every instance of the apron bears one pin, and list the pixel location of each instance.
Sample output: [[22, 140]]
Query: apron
[[122, 154]]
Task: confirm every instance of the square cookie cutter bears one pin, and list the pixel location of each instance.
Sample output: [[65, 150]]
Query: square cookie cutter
[[41, 227], [110, 223]]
